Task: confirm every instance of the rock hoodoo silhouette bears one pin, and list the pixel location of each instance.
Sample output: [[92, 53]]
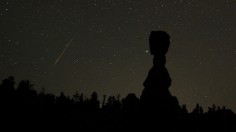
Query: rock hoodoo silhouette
[[156, 95]]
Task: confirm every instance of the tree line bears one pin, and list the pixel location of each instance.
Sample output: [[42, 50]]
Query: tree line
[[111, 113]]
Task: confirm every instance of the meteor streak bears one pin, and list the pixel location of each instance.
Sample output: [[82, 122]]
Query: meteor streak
[[64, 50]]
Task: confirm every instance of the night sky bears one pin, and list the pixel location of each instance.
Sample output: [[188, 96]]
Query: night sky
[[102, 46]]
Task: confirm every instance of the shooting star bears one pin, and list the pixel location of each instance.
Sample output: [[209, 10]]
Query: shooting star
[[64, 50]]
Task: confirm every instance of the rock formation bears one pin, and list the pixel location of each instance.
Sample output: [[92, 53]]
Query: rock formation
[[156, 96]]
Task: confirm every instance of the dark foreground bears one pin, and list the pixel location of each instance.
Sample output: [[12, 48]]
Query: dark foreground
[[23, 108]]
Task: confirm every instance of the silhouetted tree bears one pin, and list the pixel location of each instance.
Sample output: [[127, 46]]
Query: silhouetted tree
[[113, 104], [76, 97], [198, 109], [8, 84], [7, 98], [94, 103], [63, 100], [46, 99], [104, 100], [26, 95], [131, 103], [7, 89], [212, 109]]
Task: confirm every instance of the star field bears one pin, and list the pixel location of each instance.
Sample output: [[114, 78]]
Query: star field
[[109, 52]]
